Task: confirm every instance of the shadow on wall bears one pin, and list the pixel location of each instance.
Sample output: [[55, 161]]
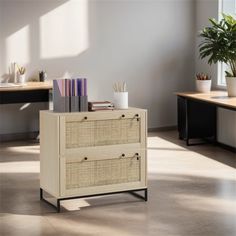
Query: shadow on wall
[[43, 33]]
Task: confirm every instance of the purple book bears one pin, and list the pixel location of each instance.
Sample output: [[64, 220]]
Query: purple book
[[85, 87]]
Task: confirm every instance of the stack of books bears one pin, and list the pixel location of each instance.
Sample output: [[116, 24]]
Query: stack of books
[[100, 106], [70, 95]]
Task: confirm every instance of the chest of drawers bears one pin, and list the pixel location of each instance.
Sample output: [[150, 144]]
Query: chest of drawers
[[93, 153]]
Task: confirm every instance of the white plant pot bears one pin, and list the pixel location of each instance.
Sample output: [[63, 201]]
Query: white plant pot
[[203, 86], [21, 79], [121, 100], [231, 86]]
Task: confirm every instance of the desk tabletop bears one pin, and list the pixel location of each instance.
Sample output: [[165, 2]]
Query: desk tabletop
[[219, 98], [28, 86]]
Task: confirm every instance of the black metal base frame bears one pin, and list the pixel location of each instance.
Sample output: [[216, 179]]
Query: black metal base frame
[[132, 192]]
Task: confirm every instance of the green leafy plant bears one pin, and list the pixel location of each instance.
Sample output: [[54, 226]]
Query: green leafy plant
[[21, 69], [219, 43], [202, 76]]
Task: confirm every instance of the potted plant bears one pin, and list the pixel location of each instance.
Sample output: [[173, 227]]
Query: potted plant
[[203, 83], [219, 45], [21, 74]]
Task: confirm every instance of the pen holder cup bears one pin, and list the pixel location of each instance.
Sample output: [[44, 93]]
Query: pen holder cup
[[121, 100], [21, 78], [42, 76]]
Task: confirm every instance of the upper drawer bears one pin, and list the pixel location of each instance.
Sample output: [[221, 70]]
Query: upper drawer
[[102, 129]]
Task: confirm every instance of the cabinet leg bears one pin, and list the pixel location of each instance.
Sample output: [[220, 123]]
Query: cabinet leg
[[145, 195], [58, 205], [41, 194]]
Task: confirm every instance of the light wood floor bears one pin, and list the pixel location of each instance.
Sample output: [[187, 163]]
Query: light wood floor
[[192, 191]]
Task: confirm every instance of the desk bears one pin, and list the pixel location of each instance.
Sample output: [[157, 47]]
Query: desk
[[197, 114], [31, 92]]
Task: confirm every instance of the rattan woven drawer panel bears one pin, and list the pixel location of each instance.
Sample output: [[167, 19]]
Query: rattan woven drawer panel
[[102, 172], [102, 132]]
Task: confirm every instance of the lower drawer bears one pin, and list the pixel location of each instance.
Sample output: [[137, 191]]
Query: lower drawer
[[91, 174]]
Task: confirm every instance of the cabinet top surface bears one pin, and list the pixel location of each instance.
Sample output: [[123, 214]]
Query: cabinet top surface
[[130, 109], [215, 97]]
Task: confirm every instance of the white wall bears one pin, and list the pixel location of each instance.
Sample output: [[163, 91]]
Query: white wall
[[1, 38], [147, 43], [206, 9]]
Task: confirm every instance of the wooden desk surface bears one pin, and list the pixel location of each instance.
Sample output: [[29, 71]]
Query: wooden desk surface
[[29, 86], [219, 98]]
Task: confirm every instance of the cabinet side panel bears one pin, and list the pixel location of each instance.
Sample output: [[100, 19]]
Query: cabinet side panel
[[146, 156], [143, 132], [49, 153]]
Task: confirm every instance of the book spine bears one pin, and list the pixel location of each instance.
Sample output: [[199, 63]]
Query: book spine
[[83, 96]]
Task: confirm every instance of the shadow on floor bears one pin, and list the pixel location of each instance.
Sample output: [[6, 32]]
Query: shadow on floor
[[181, 201], [20, 192]]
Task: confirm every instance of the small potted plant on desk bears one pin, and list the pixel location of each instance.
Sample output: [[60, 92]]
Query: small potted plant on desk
[[203, 83], [219, 44], [21, 74]]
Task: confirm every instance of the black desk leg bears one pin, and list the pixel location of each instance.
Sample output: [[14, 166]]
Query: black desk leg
[[187, 142]]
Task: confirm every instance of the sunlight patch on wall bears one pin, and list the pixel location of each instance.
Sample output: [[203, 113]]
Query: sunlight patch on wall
[[64, 30], [17, 47]]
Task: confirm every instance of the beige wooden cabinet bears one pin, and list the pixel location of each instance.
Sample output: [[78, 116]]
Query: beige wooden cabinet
[[93, 153]]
